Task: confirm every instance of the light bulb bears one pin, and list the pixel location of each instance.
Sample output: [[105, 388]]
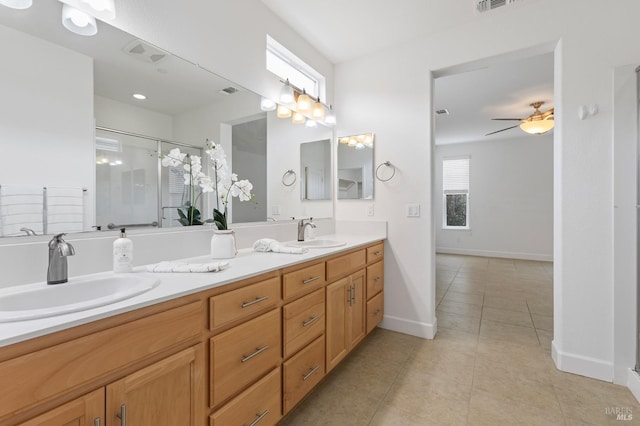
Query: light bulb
[[286, 94], [304, 103], [317, 112], [267, 104], [78, 22], [283, 112], [297, 118]]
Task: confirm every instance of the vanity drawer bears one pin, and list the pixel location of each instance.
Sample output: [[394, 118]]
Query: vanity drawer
[[375, 279], [375, 311], [302, 372], [242, 354], [345, 264], [375, 252], [262, 400], [303, 321], [302, 281], [243, 302]]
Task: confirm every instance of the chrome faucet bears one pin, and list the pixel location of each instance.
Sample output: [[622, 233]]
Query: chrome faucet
[[29, 231], [59, 249], [302, 225]]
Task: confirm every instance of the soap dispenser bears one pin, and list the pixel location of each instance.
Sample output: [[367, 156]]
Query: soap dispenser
[[123, 253]]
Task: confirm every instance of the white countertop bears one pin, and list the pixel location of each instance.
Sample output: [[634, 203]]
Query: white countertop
[[246, 264]]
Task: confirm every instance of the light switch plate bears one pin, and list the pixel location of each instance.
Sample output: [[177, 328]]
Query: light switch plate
[[370, 210], [413, 210], [275, 210]]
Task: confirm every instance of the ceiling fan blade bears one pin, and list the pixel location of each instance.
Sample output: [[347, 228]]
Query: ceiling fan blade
[[509, 119], [498, 131]]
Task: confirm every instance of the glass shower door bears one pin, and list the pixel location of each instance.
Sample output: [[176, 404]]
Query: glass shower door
[[126, 180]]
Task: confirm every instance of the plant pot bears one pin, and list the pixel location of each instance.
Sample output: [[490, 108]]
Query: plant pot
[[223, 244]]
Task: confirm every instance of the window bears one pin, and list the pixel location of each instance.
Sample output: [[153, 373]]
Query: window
[[455, 191], [286, 65]]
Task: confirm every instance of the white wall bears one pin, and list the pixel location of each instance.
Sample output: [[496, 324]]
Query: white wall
[[120, 116], [390, 93], [510, 199], [55, 138]]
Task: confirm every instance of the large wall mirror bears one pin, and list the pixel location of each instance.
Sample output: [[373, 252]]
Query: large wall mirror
[[69, 120], [355, 167]]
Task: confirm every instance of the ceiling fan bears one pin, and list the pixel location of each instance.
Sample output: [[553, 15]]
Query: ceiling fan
[[537, 123]]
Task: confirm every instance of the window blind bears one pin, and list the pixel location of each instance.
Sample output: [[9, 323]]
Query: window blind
[[455, 175]]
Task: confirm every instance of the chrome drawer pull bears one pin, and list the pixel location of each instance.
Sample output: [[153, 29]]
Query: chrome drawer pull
[[122, 415], [377, 253], [353, 295], [310, 280], [258, 351], [96, 421], [376, 313], [253, 302], [350, 298], [311, 320], [376, 279], [260, 417], [310, 373]]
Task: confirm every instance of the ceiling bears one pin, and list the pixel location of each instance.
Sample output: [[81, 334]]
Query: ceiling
[[344, 30]]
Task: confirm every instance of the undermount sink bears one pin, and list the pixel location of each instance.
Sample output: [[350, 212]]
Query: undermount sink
[[40, 300], [317, 243]]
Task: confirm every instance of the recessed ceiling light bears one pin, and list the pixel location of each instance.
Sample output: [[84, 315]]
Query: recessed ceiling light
[[139, 96]]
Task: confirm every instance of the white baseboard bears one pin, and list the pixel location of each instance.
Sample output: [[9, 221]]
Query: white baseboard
[[500, 254], [406, 326], [582, 365], [634, 384]]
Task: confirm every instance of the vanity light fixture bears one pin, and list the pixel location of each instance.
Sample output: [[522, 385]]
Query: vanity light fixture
[[286, 94], [303, 104], [104, 10], [78, 21], [139, 96], [283, 112], [267, 104], [293, 99], [297, 117], [362, 141], [17, 4], [311, 123], [317, 111]]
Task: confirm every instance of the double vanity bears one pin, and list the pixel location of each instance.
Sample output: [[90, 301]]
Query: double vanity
[[241, 346]]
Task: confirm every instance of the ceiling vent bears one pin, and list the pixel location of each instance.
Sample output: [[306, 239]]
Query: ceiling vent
[[228, 90], [487, 5], [144, 52], [442, 111]]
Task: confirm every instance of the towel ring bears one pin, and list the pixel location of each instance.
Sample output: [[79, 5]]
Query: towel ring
[[289, 182], [388, 164]]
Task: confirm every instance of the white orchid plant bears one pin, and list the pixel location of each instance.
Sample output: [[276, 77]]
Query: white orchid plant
[[225, 184]]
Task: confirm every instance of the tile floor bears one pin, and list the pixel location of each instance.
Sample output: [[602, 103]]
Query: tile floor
[[490, 363]]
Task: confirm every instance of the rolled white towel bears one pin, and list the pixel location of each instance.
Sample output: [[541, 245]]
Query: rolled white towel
[[268, 244], [187, 267]]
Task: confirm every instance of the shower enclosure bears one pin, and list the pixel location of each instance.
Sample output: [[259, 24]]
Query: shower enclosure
[[133, 189]]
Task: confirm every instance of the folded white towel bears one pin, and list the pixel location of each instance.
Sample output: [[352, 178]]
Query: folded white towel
[[187, 267], [268, 244]]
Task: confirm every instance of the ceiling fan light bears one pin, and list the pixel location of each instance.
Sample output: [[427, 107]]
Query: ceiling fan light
[[537, 127]]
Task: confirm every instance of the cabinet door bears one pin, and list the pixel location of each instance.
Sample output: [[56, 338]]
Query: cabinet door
[[167, 393], [88, 410], [356, 310], [338, 297]]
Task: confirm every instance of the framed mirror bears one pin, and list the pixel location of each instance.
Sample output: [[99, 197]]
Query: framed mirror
[[63, 93], [315, 170], [355, 167]]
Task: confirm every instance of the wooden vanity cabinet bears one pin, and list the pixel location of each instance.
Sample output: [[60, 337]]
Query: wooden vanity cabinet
[[345, 317], [256, 346], [85, 410]]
